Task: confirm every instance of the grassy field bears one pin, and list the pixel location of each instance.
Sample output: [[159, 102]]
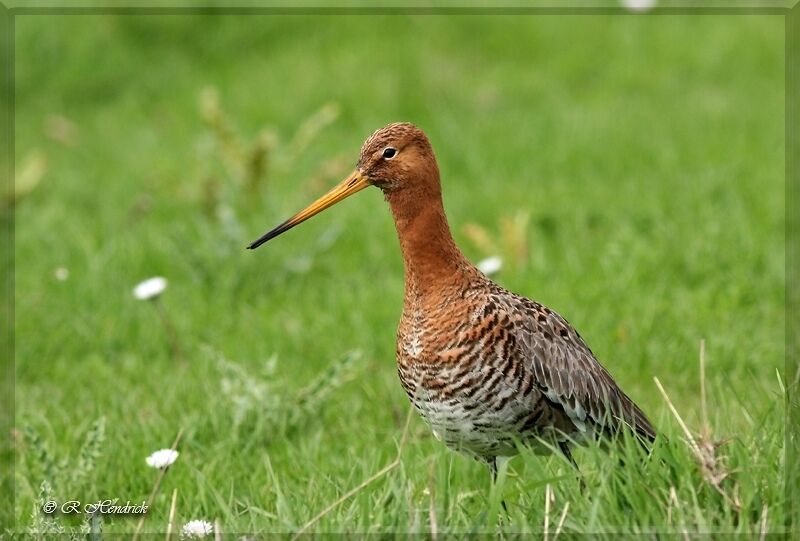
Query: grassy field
[[628, 170]]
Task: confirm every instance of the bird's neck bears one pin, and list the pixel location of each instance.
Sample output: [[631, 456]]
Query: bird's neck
[[433, 263]]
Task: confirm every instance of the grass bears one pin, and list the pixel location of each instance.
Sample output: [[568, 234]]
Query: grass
[[629, 170]]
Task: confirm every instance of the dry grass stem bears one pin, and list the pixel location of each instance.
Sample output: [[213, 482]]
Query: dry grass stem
[[514, 235], [511, 240], [314, 124], [547, 496], [561, 521], [692, 444], [156, 486], [673, 500], [371, 479], [28, 176], [479, 237], [172, 507], [712, 467], [764, 511]]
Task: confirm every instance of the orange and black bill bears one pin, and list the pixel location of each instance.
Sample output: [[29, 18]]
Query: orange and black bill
[[355, 182]]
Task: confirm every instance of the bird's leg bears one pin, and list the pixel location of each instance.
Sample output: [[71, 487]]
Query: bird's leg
[[564, 447], [493, 466]]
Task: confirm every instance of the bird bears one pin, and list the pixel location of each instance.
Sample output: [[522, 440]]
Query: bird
[[486, 368]]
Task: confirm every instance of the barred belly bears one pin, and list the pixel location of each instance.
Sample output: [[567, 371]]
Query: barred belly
[[481, 411]]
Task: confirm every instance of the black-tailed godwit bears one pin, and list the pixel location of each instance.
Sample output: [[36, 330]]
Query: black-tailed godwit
[[485, 367]]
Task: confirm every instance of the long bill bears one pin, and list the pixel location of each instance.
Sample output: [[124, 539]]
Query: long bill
[[355, 182]]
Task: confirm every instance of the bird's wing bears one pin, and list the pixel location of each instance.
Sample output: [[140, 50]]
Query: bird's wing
[[566, 370]]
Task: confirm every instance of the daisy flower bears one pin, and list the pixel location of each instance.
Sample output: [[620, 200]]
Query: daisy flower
[[639, 5], [162, 458], [150, 288], [490, 265], [196, 528]]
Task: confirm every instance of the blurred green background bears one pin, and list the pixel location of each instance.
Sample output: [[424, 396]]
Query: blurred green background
[[628, 170]]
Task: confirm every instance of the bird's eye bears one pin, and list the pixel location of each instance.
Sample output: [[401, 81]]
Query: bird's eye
[[389, 153]]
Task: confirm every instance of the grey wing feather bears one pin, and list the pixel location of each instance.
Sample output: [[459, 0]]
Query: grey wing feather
[[568, 373]]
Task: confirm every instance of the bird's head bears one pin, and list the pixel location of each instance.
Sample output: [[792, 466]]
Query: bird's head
[[398, 159]]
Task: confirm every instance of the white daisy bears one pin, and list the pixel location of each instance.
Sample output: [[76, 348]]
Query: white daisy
[[162, 458], [61, 273], [639, 5], [150, 288], [490, 265], [197, 528]]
